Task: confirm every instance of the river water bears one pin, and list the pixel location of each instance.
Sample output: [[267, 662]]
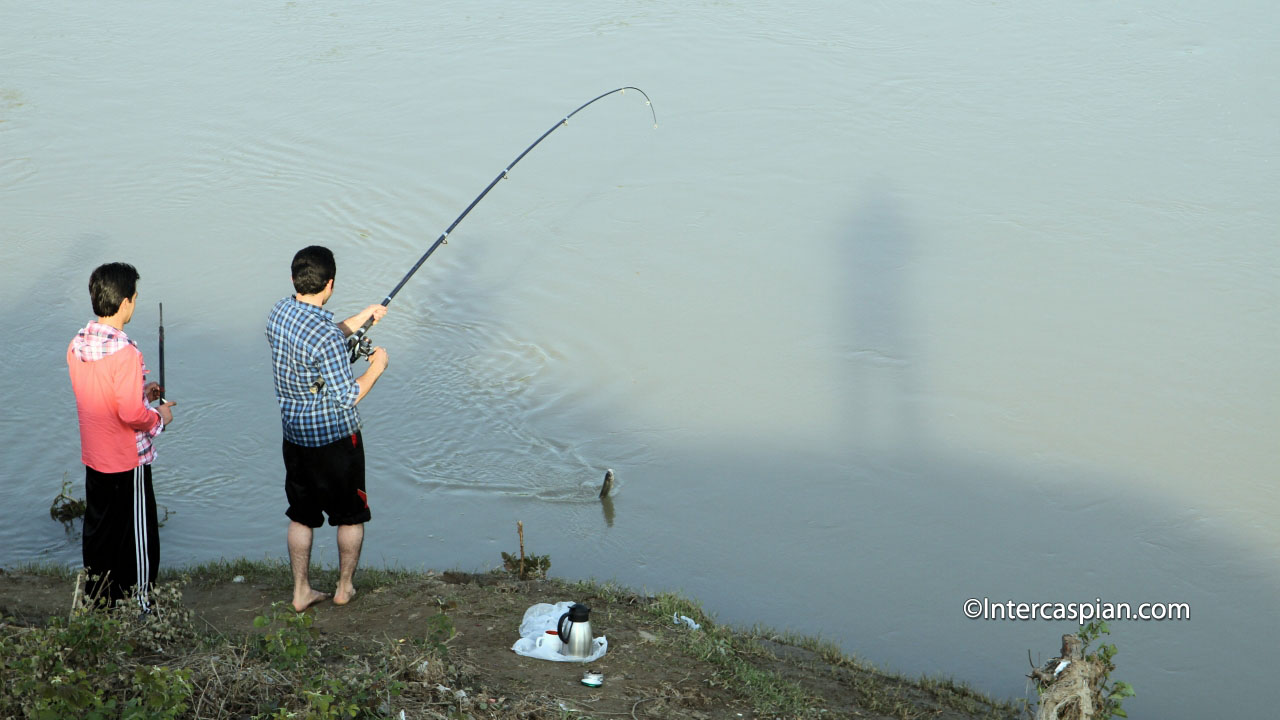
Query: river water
[[900, 304]]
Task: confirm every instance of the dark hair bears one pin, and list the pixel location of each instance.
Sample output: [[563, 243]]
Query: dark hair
[[110, 285], [313, 266]]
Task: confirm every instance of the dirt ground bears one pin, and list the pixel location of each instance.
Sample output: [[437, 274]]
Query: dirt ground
[[647, 669]]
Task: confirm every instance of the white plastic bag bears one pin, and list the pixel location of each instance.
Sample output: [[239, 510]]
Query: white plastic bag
[[677, 619], [536, 643]]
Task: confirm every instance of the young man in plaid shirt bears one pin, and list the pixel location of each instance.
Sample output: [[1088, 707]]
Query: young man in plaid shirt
[[323, 447], [121, 545]]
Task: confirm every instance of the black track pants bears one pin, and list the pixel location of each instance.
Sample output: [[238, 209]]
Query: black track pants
[[121, 541]]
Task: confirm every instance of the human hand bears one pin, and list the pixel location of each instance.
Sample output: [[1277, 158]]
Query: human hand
[[378, 359], [152, 391], [166, 415], [377, 312]]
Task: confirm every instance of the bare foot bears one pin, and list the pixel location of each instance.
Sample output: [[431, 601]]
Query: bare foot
[[342, 598], [316, 596]]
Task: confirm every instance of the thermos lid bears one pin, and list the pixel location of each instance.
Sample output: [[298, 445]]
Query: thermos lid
[[579, 613]]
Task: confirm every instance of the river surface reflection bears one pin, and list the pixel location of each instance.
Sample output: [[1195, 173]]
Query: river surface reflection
[[900, 305]]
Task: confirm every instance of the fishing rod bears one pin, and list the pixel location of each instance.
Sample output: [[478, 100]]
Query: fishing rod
[[162, 385], [358, 343]]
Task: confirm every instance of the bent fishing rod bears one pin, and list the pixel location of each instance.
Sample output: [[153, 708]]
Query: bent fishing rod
[[359, 343]]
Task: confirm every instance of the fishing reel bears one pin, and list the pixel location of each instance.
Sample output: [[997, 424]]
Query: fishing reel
[[361, 346]]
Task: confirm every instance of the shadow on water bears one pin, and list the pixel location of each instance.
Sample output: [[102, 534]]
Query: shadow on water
[[875, 346], [881, 551], [915, 527], [878, 544]]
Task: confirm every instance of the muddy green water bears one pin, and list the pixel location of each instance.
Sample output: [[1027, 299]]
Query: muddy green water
[[901, 304]]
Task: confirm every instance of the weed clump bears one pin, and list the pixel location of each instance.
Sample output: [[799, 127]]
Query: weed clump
[[65, 508], [92, 665]]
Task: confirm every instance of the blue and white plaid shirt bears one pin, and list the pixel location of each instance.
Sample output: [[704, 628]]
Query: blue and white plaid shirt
[[314, 384]]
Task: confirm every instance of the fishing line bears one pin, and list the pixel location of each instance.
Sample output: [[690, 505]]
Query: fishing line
[[358, 343]]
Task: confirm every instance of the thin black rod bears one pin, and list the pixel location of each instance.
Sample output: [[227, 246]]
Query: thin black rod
[[162, 385], [442, 240]]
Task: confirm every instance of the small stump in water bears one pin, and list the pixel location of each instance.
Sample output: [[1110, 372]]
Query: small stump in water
[[526, 567]]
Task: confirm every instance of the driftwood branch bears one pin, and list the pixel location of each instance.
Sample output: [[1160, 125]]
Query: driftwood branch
[[520, 531]]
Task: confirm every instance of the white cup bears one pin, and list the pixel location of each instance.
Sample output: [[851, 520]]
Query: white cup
[[550, 642]]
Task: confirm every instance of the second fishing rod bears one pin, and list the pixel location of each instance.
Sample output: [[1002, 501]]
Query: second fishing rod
[[359, 343]]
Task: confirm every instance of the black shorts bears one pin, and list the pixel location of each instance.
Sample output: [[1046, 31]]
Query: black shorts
[[328, 479]]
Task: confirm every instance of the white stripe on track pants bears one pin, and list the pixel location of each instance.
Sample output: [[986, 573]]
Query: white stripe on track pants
[[121, 540]]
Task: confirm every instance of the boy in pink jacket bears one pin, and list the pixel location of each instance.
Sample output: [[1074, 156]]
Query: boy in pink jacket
[[121, 547]]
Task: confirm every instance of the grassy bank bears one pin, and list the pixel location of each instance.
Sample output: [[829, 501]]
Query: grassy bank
[[221, 644]]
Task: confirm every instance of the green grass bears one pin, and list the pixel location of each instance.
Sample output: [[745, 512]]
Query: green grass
[[275, 572], [728, 651], [223, 571], [44, 569]]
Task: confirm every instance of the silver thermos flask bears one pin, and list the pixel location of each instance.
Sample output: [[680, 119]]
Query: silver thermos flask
[[574, 629]]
